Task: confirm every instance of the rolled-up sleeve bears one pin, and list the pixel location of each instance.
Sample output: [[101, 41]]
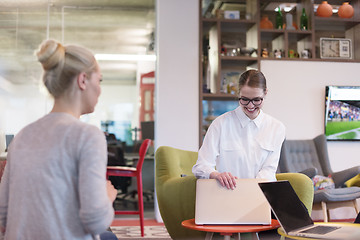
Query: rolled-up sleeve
[[268, 170]]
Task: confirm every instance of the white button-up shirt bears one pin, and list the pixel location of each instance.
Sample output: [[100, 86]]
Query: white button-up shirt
[[246, 148]]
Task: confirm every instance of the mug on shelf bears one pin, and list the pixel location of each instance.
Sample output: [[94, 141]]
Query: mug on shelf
[[306, 53]]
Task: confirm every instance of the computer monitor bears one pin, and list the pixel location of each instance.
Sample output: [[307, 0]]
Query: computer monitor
[[8, 139], [147, 130]]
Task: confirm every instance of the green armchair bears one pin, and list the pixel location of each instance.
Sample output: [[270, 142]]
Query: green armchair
[[175, 188]]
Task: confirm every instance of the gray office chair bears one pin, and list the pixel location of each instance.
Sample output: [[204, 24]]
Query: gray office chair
[[311, 158]]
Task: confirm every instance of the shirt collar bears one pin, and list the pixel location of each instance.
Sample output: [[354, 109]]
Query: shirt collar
[[245, 120]]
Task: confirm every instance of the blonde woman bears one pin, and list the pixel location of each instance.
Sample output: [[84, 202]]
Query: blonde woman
[[54, 184]]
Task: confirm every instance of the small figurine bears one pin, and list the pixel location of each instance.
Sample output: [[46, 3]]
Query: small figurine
[[264, 53]]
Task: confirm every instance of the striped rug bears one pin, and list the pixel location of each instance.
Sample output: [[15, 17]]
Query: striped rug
[[133, 232]]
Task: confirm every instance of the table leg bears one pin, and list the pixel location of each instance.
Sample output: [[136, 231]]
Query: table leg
[[227, 237], [209, 235], [255, 236]]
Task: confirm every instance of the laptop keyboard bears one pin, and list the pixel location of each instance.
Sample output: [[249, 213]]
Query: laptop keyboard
[[320, 229]]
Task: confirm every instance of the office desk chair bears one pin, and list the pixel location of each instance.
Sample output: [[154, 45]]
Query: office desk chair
[[133, 172]]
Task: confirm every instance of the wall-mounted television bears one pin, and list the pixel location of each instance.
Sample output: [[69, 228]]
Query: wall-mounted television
[[342, 113]]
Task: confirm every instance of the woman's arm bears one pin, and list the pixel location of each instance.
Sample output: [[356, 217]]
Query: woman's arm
[[4, 198], [208, 153], [96, 211], [270, 165]]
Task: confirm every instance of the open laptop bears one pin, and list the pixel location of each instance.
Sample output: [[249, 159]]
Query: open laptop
[[294, 217], [245, 204]]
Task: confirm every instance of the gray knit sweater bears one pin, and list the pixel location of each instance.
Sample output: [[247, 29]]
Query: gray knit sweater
[[54, 184]]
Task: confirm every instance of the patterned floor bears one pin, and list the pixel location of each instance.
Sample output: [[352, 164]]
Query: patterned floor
[[133, 232]]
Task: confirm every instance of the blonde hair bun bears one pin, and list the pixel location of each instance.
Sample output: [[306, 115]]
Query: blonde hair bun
[[62, 64], [51, 54]]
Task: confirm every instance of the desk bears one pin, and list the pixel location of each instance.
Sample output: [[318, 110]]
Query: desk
[[283, 234], [228, 230]]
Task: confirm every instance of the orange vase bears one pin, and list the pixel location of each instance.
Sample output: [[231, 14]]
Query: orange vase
[[346, 10], [265, 23], [324, 10]]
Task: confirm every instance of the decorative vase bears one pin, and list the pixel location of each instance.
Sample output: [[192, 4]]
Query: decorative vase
[[265, 23], [324, 10], [289, 21], [346, 10]]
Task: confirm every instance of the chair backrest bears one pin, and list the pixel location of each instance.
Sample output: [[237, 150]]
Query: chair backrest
[[300, 155], [174, 163], [322, 150], [142, 152], [303, 187], [175, 188]]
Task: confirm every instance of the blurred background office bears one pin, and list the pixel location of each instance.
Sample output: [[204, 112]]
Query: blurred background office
[[121, 34]]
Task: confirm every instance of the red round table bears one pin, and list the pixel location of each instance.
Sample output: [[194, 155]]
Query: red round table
[[228, 230]]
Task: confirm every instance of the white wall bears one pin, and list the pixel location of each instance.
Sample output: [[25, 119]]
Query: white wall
[[297, 98], [22, 105], [177, 83], [177, 87]]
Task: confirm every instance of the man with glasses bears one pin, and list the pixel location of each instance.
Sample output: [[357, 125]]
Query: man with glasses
[[245, 142]]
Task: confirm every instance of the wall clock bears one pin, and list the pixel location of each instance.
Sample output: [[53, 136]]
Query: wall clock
[[335, 48]]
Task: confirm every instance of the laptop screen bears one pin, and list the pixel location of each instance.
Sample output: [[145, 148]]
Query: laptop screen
[[286, 205]]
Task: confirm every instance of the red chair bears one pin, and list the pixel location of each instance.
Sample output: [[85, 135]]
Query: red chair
[[133, 172], [2, 167]]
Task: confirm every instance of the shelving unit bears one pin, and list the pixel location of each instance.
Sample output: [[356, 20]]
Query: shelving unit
[[220, 60]]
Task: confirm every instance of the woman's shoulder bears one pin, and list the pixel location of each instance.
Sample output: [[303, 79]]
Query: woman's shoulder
[[85, 128], [64, 122], [225, 116], [272, 133], [273, 122]]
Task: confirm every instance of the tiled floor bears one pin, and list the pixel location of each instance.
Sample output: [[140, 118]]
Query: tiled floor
[[133, 232]]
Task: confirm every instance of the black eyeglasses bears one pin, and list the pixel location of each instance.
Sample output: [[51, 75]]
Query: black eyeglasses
[[255, 101]]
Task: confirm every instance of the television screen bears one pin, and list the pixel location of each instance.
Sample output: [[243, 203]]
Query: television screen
[[342, 113]]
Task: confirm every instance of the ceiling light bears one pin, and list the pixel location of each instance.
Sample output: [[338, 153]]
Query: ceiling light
[[287, 7], [125, 57], [273, 6], [118, 66]]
